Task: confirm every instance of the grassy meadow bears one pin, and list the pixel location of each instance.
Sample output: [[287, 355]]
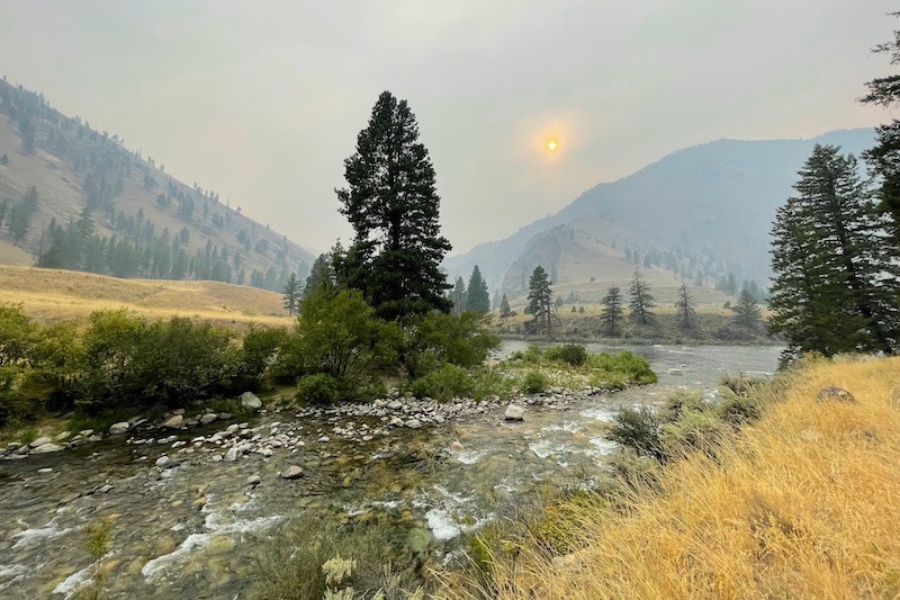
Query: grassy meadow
[[52, 296], [801, 504]]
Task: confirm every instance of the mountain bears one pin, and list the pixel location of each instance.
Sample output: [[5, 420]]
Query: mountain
[[74, 197], [700, 213]]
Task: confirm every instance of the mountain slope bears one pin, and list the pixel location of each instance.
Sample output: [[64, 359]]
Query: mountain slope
[[141, 222], [703, 210]]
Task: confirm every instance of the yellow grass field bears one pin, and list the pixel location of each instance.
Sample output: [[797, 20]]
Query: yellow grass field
[[805, 504], [51, 296]]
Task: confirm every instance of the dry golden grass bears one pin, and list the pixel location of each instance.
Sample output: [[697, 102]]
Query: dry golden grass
[[51, 296], [806, 504], [11, 255]]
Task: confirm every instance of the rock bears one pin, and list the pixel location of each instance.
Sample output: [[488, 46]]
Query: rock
[[41, 441], [395, 405], [62, 436], [253, 480], [216, 458], [837, 394], [46, 449], [174, 422], [45, 470], [119, 428], [250, 400], [414, 424], [514, 413], [104, 489], [162, 461], [224, 416], [292, 472], [200, 502], [208, 418], [86, 432], [324, 439], [232, 454], [675, 372], [178, 411], [457, 447]]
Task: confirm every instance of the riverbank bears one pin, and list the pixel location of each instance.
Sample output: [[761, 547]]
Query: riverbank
[[801, 504]]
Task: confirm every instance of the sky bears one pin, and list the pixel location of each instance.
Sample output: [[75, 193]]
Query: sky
[[262, 101]]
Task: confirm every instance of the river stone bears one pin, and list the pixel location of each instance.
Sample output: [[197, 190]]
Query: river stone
[[292, 472], [232, 454], [395, 405], [162, 461], [119, 428], [63, 436], [174, 422], [46, 449], [253, 480], [414, 424], [514, 413], [40, 442], [45, 470], [208, 418], [837, 394], [457, 447], [675, 372], [250, 400]]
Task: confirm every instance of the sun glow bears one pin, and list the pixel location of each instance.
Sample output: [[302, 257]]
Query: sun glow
[[552, 146]]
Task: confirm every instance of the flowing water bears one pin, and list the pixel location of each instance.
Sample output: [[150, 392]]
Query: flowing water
[[193, 529]]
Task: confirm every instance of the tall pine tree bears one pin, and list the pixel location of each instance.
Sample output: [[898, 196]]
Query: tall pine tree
[[684, 309], [393, 207], [746, 311], [478, 300], [540, 300], [459, 297], [292, 294], [641, 300], [612, 311], [836, 286]]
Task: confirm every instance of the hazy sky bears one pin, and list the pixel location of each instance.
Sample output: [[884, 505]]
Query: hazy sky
[[262, 100]]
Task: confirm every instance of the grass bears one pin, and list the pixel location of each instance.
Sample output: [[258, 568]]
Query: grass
[[52, 296], [555, 363], [801, 504]]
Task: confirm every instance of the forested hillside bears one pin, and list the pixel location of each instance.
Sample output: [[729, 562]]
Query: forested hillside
[[75, 197]]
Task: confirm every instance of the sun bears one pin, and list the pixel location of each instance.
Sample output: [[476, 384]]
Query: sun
[[552, 146]]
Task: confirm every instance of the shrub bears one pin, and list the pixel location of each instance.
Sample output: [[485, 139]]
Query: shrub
[[535, 383], [259, 348], [450, 381], [320, 389], [636, 369], [692, 430], [572, 354], [428, 342], [638, 429], [635, 470], [533, 355]]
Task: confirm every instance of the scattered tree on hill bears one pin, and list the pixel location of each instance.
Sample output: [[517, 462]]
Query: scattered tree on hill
[[540, 299], [505, 311], [21, 215], [393, 207], [459, 297], [559, 302], [321, 274], [641, 300], [835, 287], [684, 309], [885, 156], [612, 311], [746, 311], [292, 294], [477, 298]]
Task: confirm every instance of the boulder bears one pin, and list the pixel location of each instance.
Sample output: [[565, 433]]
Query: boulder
[[41, 441], [836, 394], [46, 449], [119, 428], [514, 413], [208, 418], [162, 461], [253, 480], [250, 400], [233, 453], [457, 447], [174, 422], [395, 405], [224, 416], [414, 424], [292, 472]]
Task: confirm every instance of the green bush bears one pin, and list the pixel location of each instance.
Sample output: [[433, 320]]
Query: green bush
[[320, 389], [638, 429], [535, 382], [428, 342], [636, 369], [692, 430], [259, 348], [634, 469], [446, 383], [572, 354]]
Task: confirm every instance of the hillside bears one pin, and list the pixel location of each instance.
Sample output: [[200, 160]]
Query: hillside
[[51, 296], [100, 207], [699, 213]]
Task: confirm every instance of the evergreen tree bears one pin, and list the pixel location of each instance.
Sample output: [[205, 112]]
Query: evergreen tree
[[641, 301], [505, 311], [884, 158], [459, 297], [393, 207], [835, 287], [292, 294], [746, 311], [321, 274], [684, 309], [477, 298], [540, 299], [612, 311]]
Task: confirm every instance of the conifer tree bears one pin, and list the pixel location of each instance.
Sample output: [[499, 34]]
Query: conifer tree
[[540, 299], [459, 297], [641, 300], [505, 311], [835, 287], [292, 294], [612, 311], [684, 309], [746, 311], [393, 207], [477, 298], [321, 274]]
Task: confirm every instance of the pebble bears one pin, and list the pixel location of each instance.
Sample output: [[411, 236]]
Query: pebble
[[292, 472], [253, 480], [45, 470], [162, 461], [119, 428]]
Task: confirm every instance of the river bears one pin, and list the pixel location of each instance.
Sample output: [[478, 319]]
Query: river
[[194, 528]]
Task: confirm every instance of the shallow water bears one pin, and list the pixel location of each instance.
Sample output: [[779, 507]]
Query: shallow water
[[193, 530]]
